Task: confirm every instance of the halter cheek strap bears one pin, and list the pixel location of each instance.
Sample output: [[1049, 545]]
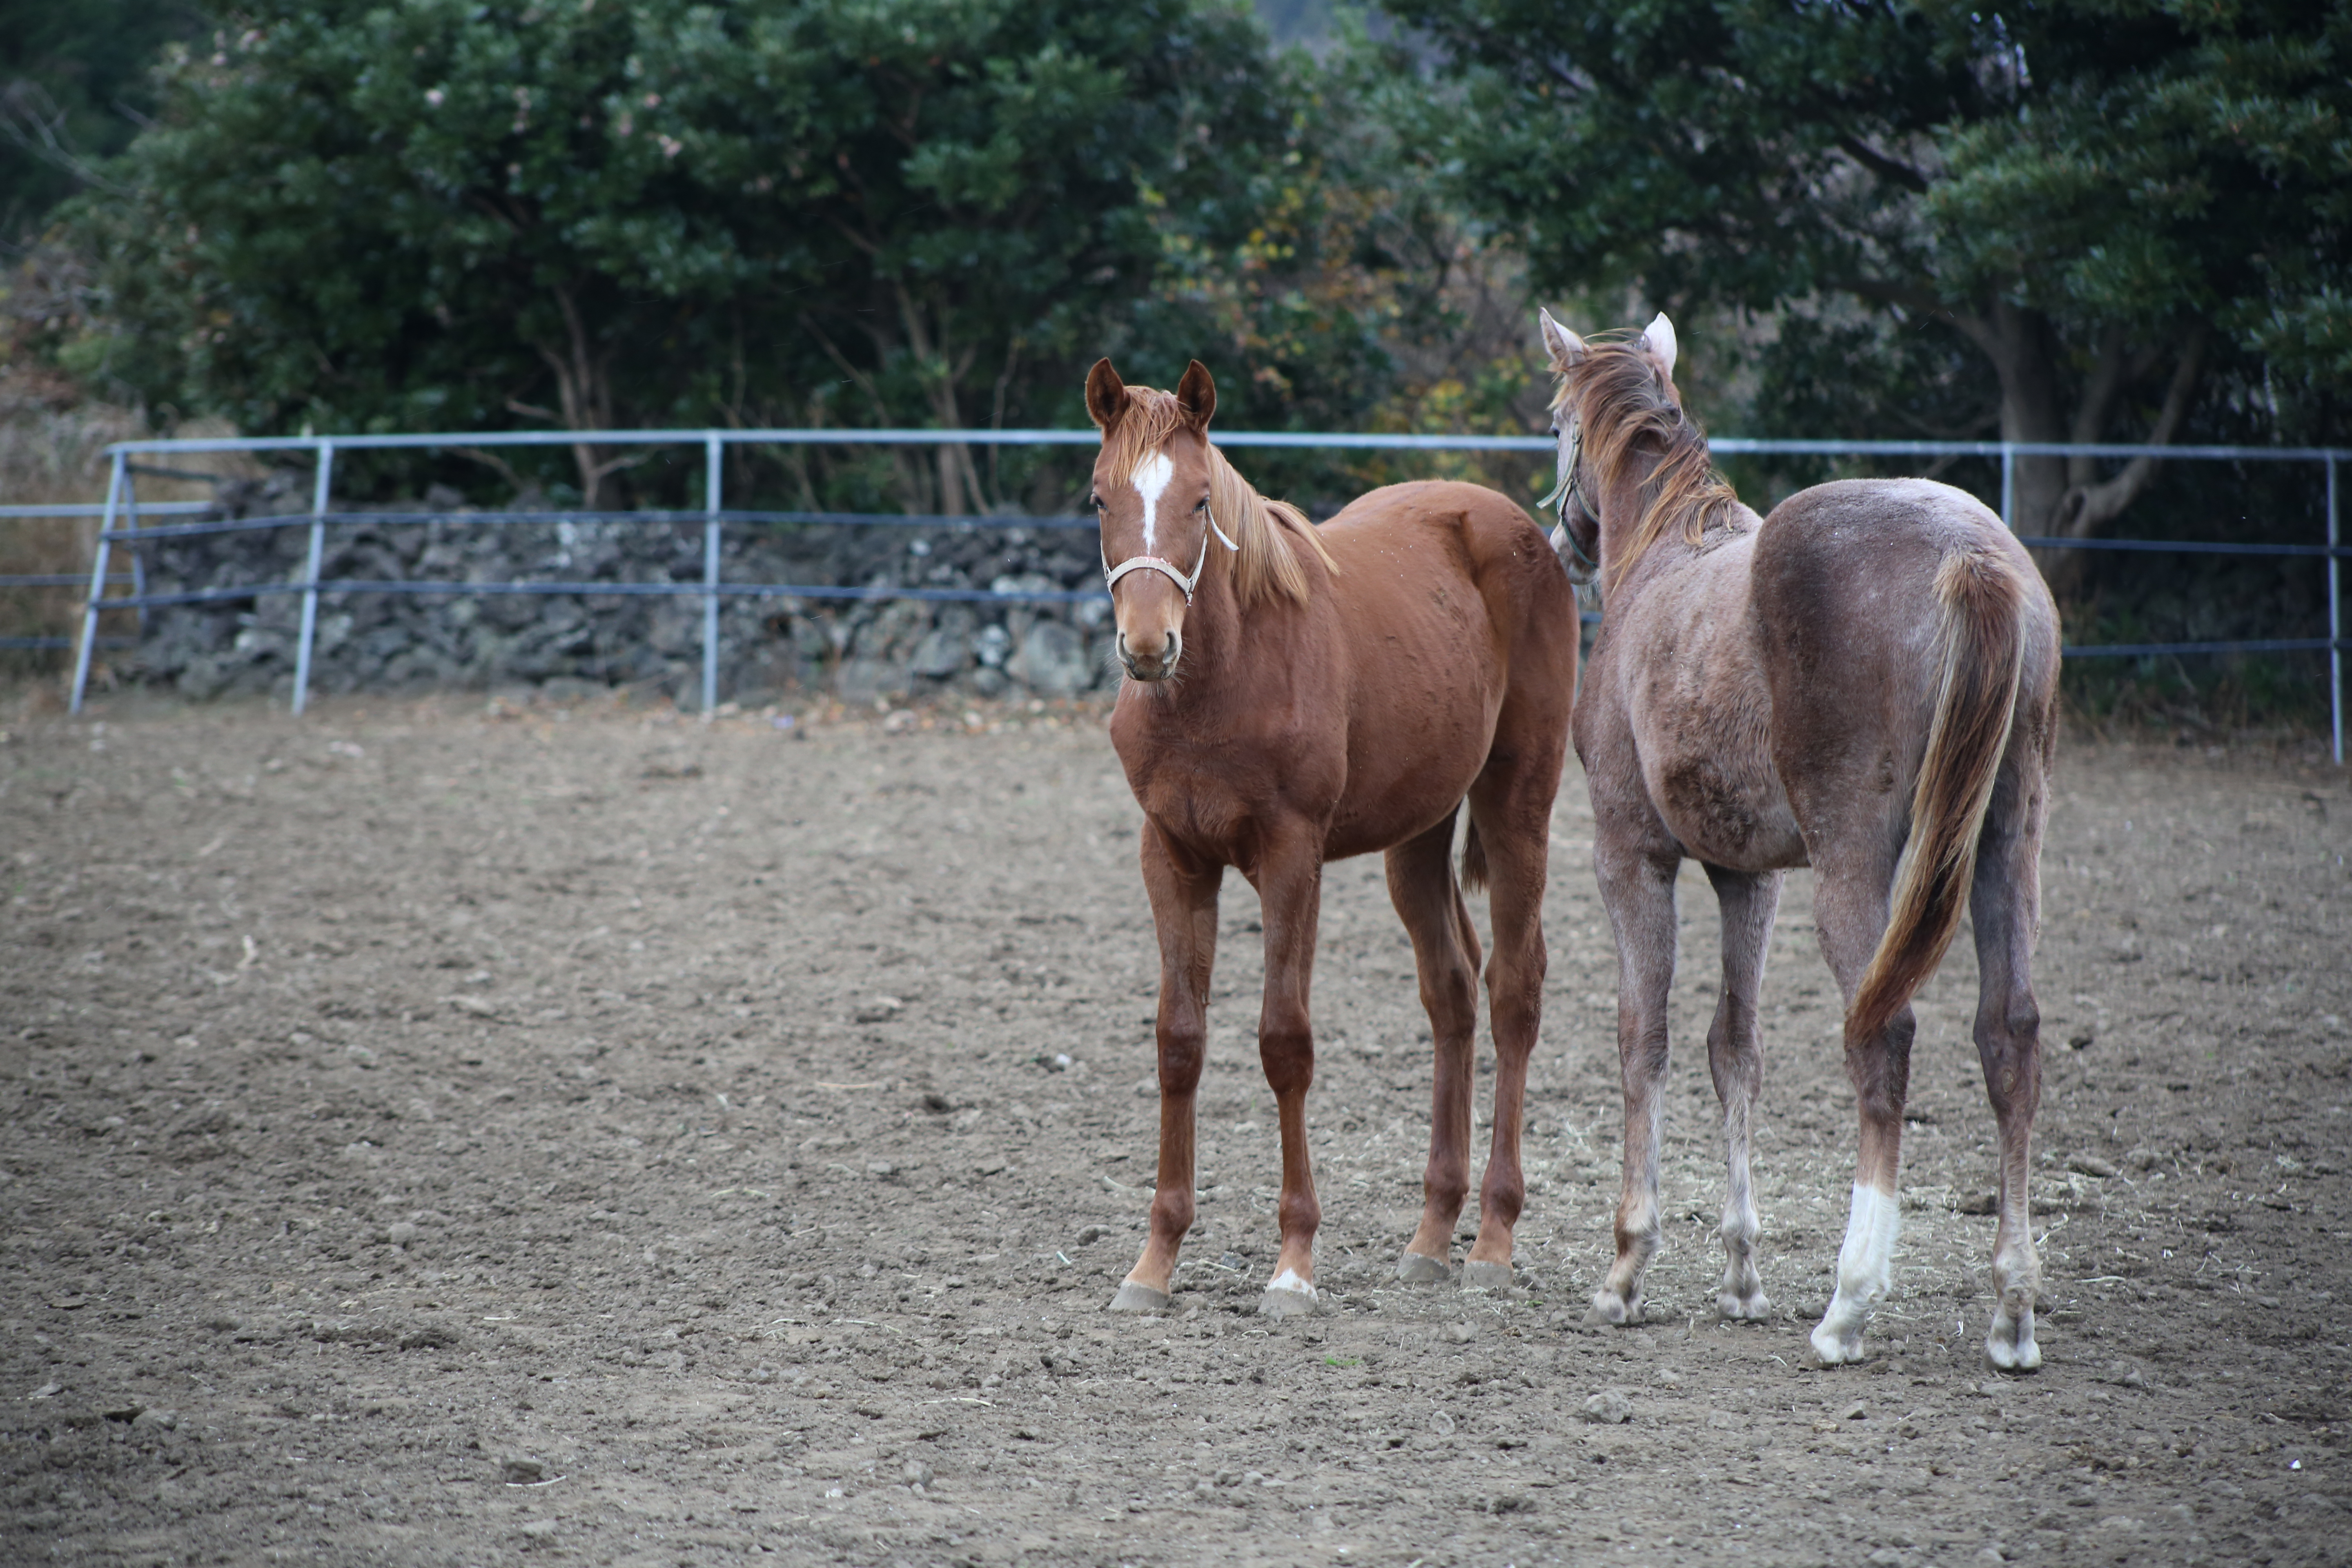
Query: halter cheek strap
[[1556, 502], [1111, 575]]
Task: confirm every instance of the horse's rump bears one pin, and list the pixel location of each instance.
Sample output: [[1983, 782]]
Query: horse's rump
[[1916, 590]]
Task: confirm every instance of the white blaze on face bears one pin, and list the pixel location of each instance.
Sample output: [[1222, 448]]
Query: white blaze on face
[[1150, 478]]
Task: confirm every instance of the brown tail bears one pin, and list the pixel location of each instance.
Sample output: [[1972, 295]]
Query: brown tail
[[1473, 858], [1977, 603]]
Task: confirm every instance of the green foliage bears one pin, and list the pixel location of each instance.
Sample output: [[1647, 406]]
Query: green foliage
[[2087, 220], [2075, 186], [461, 215]]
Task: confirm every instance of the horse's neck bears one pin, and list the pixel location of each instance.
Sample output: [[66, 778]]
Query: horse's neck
[[1216, 643], [1622, 505]]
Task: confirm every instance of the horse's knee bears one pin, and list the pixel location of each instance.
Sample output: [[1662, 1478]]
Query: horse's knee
[[1286, 1050], [1183, 1046]]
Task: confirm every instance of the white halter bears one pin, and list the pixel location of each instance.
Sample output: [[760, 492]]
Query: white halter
[[1111, 575]]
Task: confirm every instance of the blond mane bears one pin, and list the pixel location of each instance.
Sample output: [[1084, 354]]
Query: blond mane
[[1620, 406], [1266, 561]]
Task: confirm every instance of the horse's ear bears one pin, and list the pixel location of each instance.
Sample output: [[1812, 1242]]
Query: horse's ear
[[1105, 396], [1564, 346], [1659, 335], [1197, 395]]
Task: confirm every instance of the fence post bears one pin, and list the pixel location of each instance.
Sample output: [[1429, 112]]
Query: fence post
[[98, 578], [713, 450], [138, 553], [318, 484], [2335, 612], [2007, 488]]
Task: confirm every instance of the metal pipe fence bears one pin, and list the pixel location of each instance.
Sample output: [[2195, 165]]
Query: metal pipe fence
[[121, 512]]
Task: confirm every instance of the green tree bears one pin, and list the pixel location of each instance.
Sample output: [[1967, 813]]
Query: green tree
[[2101, 198], [457, 215]]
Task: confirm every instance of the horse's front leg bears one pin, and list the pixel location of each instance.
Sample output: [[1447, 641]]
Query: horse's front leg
[[1637, 885], [1735, 1057], [1290, 891], [1184, 907]]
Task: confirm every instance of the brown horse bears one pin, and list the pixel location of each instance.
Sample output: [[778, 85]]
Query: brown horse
[[1864, 683], [1296, 695]]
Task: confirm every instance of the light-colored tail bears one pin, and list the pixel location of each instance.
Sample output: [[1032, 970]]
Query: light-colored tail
[[1979, 607]]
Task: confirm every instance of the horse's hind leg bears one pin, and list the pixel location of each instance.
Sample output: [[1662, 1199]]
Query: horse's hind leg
[[1511, 808], [1184, 909], [2005, 903], [1445, 953], [1850, 909], [1735, 1056], [1637, 885]]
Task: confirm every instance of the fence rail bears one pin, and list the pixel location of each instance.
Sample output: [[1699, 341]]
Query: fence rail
[[121, 504]]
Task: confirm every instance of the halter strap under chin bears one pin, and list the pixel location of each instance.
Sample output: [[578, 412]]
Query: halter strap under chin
[[1111, 575]]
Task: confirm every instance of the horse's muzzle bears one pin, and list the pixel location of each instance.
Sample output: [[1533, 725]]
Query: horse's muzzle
[[1151, 666]]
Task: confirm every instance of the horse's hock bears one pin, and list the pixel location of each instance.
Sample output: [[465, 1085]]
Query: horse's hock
[[856, 649]]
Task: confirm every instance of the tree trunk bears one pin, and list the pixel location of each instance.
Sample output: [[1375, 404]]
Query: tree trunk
[[584, 391], [959, 490], [2063, 497], [2022, 348]]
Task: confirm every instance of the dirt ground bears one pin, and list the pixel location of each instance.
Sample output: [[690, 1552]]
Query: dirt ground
[[443, 1133]]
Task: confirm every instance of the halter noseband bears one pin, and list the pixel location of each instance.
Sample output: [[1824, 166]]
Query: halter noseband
[[1111, 575]]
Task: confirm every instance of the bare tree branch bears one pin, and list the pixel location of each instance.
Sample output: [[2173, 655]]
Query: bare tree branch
[[31, 119], [2087, 508], [1884, 166]]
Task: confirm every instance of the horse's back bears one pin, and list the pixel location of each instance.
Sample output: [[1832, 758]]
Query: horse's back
[[1459, 622], [1407, 542]]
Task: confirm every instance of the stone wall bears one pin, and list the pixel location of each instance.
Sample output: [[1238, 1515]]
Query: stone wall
[[770, 647]]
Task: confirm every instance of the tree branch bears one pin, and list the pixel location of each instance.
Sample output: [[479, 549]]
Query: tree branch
[[1925, 302], [504, 469], [1885, 166], [2088, 508], [2107, 379]]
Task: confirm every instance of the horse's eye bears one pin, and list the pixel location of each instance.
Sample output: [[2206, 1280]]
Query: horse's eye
[[1095, 501]]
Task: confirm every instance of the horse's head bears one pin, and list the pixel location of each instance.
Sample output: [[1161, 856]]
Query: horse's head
[[1152, 496], [1578, 537]]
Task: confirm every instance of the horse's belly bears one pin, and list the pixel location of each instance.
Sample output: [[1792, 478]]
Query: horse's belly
[[1726, 812]]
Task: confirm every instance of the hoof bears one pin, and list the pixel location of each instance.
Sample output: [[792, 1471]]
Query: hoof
[[1420, 1268], [1835, 1346], [1282, 1301], [1134, 1297], [1485, 1277], [1609, 1311], [1753, 1308], [2010, 1347]]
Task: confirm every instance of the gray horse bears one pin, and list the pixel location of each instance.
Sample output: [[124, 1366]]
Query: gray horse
[[1863, 682]]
